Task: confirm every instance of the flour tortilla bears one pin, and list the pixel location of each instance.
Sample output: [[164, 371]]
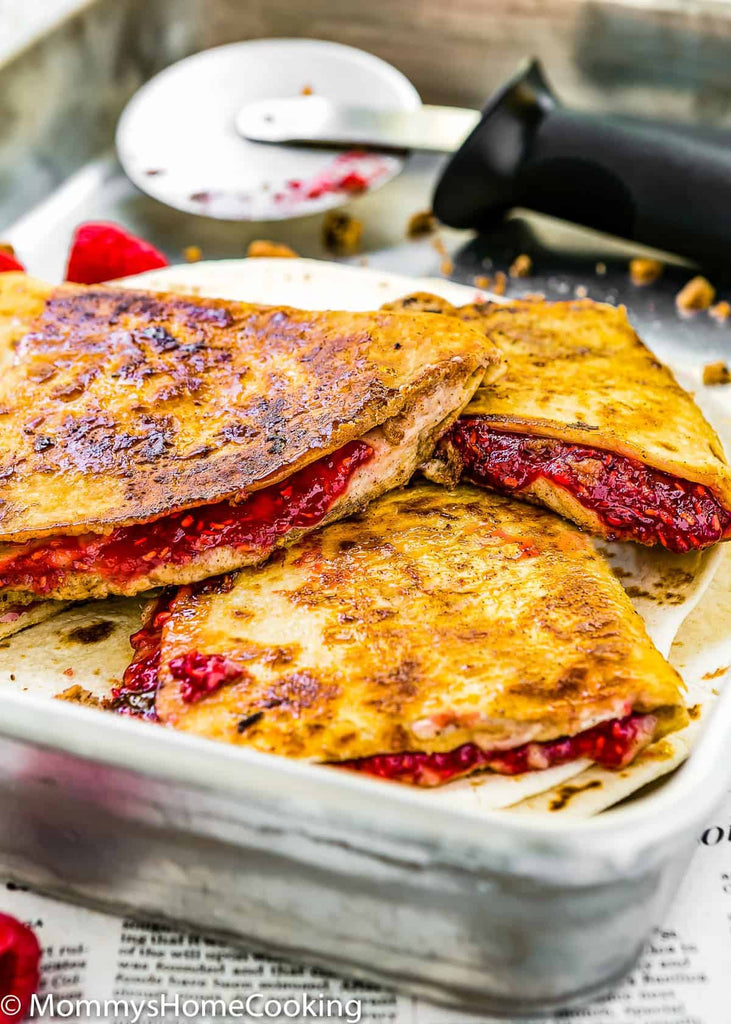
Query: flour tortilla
[[50, 658]]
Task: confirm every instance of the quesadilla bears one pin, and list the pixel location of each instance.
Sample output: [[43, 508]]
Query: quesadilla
[[20, 610], [149, 438], [587, 422], [435, 635]]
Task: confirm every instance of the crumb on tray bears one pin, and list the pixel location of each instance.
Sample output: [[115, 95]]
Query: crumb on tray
[[720, 312], [446, 267], [262, 247], [601, 269], [306, 90], [697, 294], [581, 291], [499, 282], [482, 281], [644, 271], [341, 233], [716, 373], [521, 266], [7, 248], [192, 253], [421, 223], [78, 695]]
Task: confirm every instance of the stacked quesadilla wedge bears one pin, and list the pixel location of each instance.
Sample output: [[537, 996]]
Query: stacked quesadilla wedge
[[587, 422], [433, 636], [153, 438]]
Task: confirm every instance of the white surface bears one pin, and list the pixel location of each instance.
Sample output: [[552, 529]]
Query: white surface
[[22, 21], [181, 126]]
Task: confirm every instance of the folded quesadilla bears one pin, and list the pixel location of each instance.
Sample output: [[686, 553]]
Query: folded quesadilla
[[148, 438], [435, 635], [589, 423]]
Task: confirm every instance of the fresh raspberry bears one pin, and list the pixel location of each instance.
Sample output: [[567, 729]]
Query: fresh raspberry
[[9, 262], [20, 956], [102, 251]]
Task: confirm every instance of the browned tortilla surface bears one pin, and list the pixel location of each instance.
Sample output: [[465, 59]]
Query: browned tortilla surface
[[432, 619], [119, 406]]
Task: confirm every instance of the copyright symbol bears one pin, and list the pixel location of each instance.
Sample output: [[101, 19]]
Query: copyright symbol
[[10, 1005]]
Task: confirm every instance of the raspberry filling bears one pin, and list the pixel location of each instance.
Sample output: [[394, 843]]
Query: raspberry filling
[[611, 744], [129, 552], [633, 501], [202, 674], [136, 695]]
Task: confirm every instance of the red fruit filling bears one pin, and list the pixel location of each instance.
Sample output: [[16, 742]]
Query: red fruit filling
[[9, 262], [202, 674], [101, 251], [129, 552], [20, 957], [136, 695], [611, 744], [633, 501]]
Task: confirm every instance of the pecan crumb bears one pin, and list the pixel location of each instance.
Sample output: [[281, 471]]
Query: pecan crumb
[[446, 267], [341, 233], [192, 253], [500, 282], [306, 90], [78, 695], [7, 248], [262, 247], [482, 281], [697, 294], [720, 312], [601, 269], [644, 271], [421, 223], [716, 373], [521, 266]]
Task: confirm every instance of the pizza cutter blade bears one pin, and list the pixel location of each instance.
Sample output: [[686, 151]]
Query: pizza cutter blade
[[177, 138]]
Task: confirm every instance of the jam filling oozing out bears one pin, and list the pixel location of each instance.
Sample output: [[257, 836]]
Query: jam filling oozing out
[[136, 694], [611, 744], [633, 501], [129, 552]]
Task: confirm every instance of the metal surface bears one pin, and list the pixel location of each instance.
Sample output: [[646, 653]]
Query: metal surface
[[498, 913], [315, 119]]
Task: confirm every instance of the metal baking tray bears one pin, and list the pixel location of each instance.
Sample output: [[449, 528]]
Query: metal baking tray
[[498, 913]]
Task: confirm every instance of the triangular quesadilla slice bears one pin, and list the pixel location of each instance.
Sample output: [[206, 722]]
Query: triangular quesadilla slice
[[149, 438], [436, 635], [589, 423]]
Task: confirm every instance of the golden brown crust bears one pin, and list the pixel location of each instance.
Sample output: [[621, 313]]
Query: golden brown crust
[[432, 620], [121, 406], [399, 446], [577, 371]]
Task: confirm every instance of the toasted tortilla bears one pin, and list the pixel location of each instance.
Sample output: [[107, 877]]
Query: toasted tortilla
[[577, 372], [51, 659], [432, 620], [19, 611], [124, 406]]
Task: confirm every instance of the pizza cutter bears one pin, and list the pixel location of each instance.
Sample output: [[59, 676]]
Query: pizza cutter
[[178, 142], [665, 185]]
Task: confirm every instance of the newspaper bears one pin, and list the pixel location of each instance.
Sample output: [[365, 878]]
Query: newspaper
[[99, 967]]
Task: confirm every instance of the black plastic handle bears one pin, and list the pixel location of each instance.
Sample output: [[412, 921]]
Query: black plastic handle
[[666, 185]]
